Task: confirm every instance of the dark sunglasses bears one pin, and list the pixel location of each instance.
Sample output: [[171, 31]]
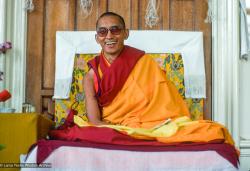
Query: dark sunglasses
[[103, 31]]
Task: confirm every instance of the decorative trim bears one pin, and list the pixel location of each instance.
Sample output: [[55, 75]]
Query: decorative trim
[[29, 6], [151, 17], [86, 6], [225, 33], [210, 15], [15, 65]]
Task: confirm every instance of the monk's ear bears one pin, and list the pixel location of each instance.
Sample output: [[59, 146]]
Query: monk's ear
[[96, 39], [126, 34]]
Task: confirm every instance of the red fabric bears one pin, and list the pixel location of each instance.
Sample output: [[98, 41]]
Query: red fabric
[[104, 63], [96, 84], [69, 122], [4, 95], [116, 74], [107, 138], [98, 135]]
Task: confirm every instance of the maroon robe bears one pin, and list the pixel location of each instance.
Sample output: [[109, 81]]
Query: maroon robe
[[115, 76]]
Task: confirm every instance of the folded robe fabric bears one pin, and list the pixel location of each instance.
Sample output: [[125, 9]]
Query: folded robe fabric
[[177, 131], [112, 138], [107, 138]]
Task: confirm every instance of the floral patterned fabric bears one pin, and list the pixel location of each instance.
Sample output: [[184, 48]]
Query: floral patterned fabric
[[171, 63]]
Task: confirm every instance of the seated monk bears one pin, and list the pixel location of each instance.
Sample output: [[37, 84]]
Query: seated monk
[[126, 87]]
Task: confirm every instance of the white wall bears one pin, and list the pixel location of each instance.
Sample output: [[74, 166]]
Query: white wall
[[231, 81], [225, 37], [245, 93], [244, 110]]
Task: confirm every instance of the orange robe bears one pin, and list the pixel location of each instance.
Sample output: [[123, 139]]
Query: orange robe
[[146, 99]]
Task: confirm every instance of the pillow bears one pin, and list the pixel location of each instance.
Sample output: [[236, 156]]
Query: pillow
[[169, 62]]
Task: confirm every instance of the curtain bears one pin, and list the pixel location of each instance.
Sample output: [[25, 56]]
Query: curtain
[[2, 39], [13, 29]]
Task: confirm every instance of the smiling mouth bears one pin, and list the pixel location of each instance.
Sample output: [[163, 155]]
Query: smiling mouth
[[110, 42]]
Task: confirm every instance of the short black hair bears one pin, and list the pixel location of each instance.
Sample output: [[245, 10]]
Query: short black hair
[[111, 14]]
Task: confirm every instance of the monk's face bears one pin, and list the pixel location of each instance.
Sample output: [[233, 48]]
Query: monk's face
[[111, 35]]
